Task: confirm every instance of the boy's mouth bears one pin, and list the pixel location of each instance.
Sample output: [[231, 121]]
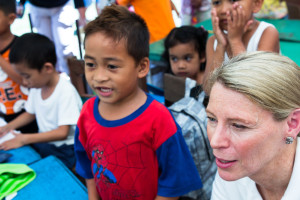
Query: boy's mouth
[[103, 89]]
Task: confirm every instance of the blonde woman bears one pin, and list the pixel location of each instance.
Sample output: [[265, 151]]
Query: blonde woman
[[253, 123]]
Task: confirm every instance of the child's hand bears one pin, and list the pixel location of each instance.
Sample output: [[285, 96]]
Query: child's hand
[[4, 130], [14, 143], [238, 24], [219, 34]]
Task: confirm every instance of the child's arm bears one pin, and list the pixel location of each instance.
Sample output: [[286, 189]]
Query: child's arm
[[166, 198], [22, 120], [7, 68], [92, 192], [269, 40], [23, 139], [214, 58], [176, 179]]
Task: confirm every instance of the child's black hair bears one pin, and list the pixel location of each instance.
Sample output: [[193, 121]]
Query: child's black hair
[[8, 6], [119, 23], [33, 49], [183, 35]]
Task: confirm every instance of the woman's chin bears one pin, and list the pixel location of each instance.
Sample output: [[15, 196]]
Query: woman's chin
[[228, 176]]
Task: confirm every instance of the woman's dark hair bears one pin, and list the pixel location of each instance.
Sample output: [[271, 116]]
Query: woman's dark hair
[[183, 35]]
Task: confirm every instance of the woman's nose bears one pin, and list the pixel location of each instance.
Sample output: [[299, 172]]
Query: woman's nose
[[218, 137]]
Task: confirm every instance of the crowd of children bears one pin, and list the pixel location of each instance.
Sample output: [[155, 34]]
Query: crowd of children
[[124, 143]]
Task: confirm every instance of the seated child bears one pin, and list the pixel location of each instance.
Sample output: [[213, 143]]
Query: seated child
[[185, 52], [13, 94], [53, 101], [127, 145], [236, 31]]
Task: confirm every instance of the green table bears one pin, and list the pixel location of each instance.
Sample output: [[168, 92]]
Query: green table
[[289, 35]]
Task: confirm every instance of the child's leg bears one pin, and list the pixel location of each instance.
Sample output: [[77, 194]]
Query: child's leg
[[64, 152]]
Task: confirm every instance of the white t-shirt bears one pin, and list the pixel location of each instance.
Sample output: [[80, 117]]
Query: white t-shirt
[[245, 188], [61, 108], [254, 40]]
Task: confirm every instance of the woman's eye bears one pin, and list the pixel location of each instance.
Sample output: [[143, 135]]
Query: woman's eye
[[211, 119], [112, 67], [239, 126]]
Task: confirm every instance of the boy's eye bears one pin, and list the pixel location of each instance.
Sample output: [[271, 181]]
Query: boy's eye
[[174, 59], [89, 64], [112, 67], [26, 76]]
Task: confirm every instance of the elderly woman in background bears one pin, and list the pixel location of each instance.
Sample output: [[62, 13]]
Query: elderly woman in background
[[253, 123]]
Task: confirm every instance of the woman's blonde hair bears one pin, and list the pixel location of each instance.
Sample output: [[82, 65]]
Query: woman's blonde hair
[[270, 80]]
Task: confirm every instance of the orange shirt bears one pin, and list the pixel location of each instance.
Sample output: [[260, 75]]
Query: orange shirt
[[157, 15], [12, 95]]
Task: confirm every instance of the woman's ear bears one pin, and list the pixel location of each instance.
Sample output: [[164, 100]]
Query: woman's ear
[[294, 123], [143, 67], [257, 4]]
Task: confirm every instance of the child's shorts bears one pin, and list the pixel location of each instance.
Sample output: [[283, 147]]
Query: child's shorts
[[64, 152]]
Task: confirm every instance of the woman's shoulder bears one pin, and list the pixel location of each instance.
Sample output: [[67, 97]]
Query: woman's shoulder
[[240, 189]]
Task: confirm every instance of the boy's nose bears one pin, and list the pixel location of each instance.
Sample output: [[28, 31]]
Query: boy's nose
[[100, 75], [25, 82]]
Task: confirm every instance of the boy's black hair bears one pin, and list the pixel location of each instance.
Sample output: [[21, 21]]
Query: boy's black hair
[[183, 35], [8, 6], [33, 49], [119, 23]]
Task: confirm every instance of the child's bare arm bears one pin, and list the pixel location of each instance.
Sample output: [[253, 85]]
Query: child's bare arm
[[23, 119], [214, 58], [7, 68], [269, 40], [166, 198], [92, 192], [23, 139]]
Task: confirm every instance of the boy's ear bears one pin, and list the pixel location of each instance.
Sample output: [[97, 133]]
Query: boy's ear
[[11, 18], [48, 67], [293, 123], [257, 4], [143, 67]]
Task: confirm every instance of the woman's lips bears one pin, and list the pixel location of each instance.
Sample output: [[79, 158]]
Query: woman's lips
[[221, 163]]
